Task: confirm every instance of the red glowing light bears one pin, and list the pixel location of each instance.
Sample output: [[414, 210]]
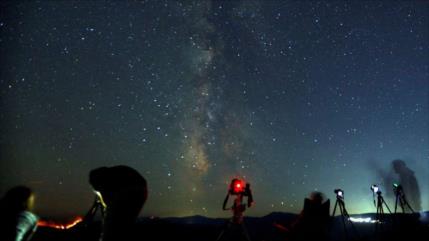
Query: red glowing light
[[238, 186], [52, 224]]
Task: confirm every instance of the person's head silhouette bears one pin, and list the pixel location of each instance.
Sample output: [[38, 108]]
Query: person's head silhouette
[[315, 206], [316, 197], [399, 166], [123, 191], [18, 199]]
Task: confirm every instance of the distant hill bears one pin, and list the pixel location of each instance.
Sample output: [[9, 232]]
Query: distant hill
[[200, 228]]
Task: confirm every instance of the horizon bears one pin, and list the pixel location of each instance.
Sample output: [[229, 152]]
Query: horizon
[[424, 218]]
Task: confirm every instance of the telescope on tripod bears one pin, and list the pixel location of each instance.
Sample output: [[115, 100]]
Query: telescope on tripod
[[343, 211], [240, 190], [379, 216], [380, 202], [400, 198]]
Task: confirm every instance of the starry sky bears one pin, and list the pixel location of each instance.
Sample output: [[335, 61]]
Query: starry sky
[[291, 96]]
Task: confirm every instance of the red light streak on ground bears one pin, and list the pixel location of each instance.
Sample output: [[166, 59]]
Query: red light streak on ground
[[52, 224]]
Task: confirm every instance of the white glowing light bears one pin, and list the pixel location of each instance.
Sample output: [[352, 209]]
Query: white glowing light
[[363, 220]]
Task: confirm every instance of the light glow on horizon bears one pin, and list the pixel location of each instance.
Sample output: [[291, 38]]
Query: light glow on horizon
[[363, 220], [52, 224]]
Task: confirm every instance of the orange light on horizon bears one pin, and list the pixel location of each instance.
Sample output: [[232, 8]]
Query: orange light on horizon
[[52, 224]]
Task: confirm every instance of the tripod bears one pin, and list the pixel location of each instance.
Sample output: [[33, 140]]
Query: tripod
[[344, 214], [236, 224], [88, 229], [400, 197], [93, 210], [380, 202], [380, 211], [97, 205]]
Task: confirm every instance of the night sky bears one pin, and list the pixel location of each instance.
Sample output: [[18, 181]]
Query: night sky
[[292, 96]]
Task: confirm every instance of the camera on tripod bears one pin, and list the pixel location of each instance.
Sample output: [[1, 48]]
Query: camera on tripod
[[397, 189], [375, 189], [339, 192], [239, 187]]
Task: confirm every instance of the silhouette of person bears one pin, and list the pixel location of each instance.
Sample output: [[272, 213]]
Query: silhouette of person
[[17, 222], [312, 222], [123, 192], [409, 183]]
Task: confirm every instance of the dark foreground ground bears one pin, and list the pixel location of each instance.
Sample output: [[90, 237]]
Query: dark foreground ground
[[198, 228]]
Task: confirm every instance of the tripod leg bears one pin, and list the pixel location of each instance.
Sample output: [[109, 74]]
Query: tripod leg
[[341, 207], [346, 214], [401, 201], [408, 205], [385, 204], [220, 235], [335, 208], [226, 227], [245, 233], [379, 216], [396, 204], [346, 235], [412, 210]]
